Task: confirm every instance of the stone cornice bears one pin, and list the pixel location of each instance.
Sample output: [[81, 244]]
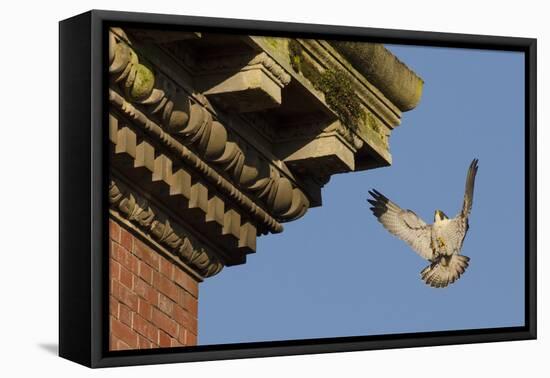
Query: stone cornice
[[127, 143], [231, 135], [397, 81], [370, 116], [194, 125], [179, 243]]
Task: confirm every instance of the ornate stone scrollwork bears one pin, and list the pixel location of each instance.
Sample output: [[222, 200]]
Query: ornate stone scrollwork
[[138, 83], [183, 246], [194, 125], [127, 143]]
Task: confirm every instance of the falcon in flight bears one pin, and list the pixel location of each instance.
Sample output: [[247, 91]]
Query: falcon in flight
[[439, 243]]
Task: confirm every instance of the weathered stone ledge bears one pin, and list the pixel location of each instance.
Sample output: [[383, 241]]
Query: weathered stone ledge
[[397, 81]]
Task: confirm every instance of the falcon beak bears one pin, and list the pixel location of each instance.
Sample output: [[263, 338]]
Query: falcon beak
[[440, 215]]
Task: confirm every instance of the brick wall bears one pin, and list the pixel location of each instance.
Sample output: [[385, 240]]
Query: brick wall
[[153, 303]]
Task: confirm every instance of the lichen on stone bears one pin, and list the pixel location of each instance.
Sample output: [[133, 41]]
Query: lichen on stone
[[295, 54], [372, 122], [274, 42]]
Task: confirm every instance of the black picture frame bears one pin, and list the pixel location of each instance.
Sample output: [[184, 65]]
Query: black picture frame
[[82, 196]]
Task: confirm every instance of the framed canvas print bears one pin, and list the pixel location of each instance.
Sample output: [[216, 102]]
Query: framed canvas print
[[234, 188]]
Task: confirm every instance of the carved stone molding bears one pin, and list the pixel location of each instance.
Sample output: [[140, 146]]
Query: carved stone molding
[[243, 83], [201, 196], [182, 245], [280, 196], [138, 84], [247, 62], [194, 126]]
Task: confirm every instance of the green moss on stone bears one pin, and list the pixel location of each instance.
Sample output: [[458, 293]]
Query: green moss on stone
[[295, 54], [341, 97], [274, 42], [339, 94], [143, 83], [335, 85]]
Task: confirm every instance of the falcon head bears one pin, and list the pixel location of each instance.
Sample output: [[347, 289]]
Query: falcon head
[[439, 216]]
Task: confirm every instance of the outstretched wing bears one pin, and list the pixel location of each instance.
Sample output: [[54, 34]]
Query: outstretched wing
[[404, 224], [469, 191]]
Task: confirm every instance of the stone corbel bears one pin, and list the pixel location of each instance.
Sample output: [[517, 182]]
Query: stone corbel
[[243, 83], [326, 150], [317, 149]]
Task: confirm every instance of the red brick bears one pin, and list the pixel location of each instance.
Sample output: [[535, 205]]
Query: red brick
[[153, 302], [165, 286], [121, 345], [113, 342], [113, 249], [189, 303], [125, 258], [126, 277], [165, 304], [184, 319], [167, 268], [165, 323], [124, 295], [126, 240], [164, 339], [113, 306], [175, 343], [124, 314], [182, 336], [116, 344], [145, 272], [114, 231], [144, 290], [145, 309], [186, 282], [124, 333], [146, 254], [144, 343], [190, 339], [144, 328], [114, 269]]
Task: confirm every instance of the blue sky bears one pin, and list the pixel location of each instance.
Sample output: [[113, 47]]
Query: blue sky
[[337, 272]]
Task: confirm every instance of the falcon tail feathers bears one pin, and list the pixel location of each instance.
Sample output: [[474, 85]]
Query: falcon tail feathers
[[445, 270]]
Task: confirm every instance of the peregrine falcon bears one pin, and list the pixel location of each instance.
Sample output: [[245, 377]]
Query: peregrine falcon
[[439, 243]]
